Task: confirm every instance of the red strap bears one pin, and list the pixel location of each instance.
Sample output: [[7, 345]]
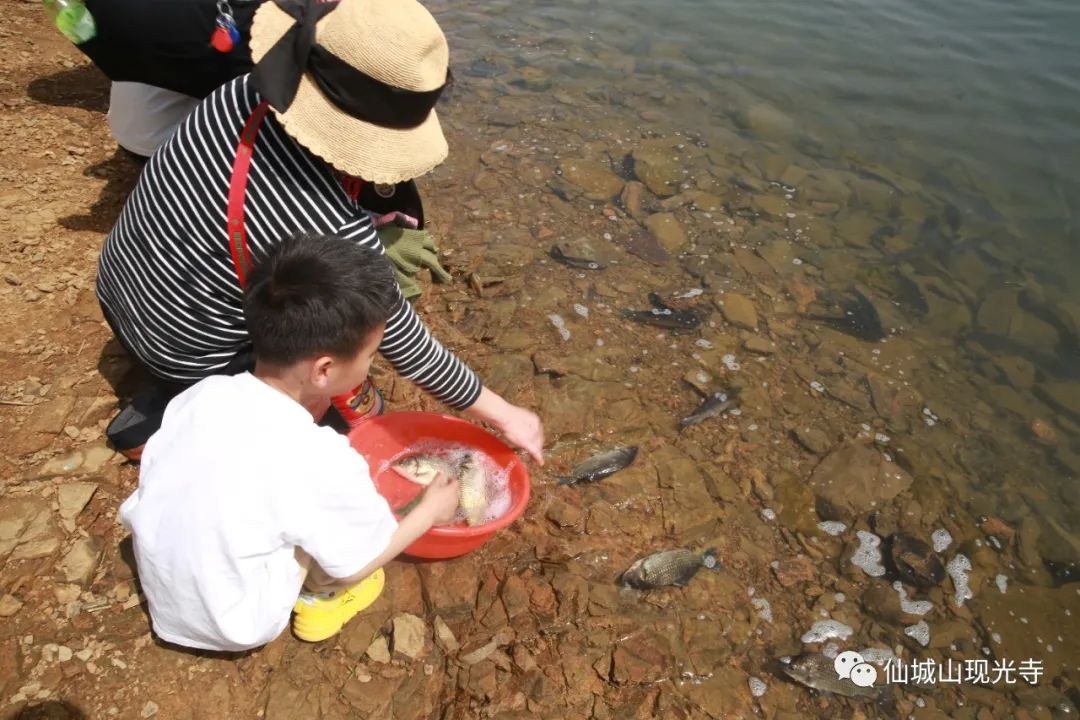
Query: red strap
[[238, 245]]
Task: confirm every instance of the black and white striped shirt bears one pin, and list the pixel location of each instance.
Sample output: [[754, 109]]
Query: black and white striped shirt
[[166, 276]]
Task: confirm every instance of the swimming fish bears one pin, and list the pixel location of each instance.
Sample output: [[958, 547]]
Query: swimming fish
[[817, 671], [663, 316], [473, 500], [860, 318], [600, 466], [421, 469], [575, 262], [671, 567], [716, 404]]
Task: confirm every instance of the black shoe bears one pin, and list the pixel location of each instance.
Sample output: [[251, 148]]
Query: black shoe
[[136, 422]]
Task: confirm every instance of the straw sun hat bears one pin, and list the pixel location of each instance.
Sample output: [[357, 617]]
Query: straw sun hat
[[355, 82]]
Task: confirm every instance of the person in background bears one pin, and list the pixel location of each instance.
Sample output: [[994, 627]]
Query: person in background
[[163, 57], [342, 93], [244, 504]]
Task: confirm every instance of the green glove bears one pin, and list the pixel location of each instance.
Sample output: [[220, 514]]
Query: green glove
[[411, 251]]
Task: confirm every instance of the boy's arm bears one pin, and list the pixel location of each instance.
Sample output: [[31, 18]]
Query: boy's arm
[[438, 505]]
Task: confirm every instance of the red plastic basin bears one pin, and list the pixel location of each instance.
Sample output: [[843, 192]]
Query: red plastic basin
[[386, 438]]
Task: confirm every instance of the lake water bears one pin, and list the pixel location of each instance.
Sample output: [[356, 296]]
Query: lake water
[[923, 152]]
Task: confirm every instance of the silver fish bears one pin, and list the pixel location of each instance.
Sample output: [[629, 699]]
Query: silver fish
[[421, 469], [817, 671], [473, 499], [717, 404], [671, 567], [601, 466]]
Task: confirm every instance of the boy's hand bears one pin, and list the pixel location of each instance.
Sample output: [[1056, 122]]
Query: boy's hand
[[441, 498]]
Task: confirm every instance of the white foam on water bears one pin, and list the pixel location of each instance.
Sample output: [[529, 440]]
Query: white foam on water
[[764, 609], [730, 363], [824, 630], [920, 632], [911, 607], [581, 310], [832, 527], [958, 569], [1002, 583], [868, 556], [757, 687], [768, 514], [831, 650], [878, 656]]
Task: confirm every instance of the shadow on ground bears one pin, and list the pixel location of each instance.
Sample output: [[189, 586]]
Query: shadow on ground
[[120, 172], [49, 710], [83, 87]]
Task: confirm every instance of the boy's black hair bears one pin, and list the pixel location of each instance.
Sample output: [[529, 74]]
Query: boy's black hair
[[317, 294]]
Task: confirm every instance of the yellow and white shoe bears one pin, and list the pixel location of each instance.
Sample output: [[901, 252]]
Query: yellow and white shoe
[[317, 618]]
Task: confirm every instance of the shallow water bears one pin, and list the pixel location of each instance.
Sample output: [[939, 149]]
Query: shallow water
[[790, 152]]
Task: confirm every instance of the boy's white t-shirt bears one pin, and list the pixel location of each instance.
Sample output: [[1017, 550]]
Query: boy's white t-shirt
[[235, 480]]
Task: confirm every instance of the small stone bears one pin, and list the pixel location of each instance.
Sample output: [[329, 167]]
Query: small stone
[[410, 635], [814, 440], [379, 650], [9, 605], [667, 230], [739, 311], [444, 637], [73, 497], [595, 178], [64, 465], [792, 571], [81, 561], [96, 458], [64, 653], [480, 654], [771, 205], [122, 591], [149, 709], [1044, 432], [760, 345]]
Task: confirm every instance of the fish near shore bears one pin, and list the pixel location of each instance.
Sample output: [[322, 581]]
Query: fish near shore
[[818, 672], [670, 567], [600, 466], [556, 254], [664, 317], [716, 404]]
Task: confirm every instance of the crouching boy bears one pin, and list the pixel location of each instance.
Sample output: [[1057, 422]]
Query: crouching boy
[[246, 509]]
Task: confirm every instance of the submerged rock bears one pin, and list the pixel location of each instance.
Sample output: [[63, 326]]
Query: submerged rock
[[659, 169], [739, 311], [1034, 622], [914, 561], [667, 231], [766, 121], [594, 178], [855, 479]]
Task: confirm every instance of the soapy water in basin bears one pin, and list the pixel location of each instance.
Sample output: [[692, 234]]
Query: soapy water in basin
[[497, 478]]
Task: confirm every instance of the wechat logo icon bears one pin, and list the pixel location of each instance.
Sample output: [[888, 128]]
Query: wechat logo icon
[[849, 665]]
